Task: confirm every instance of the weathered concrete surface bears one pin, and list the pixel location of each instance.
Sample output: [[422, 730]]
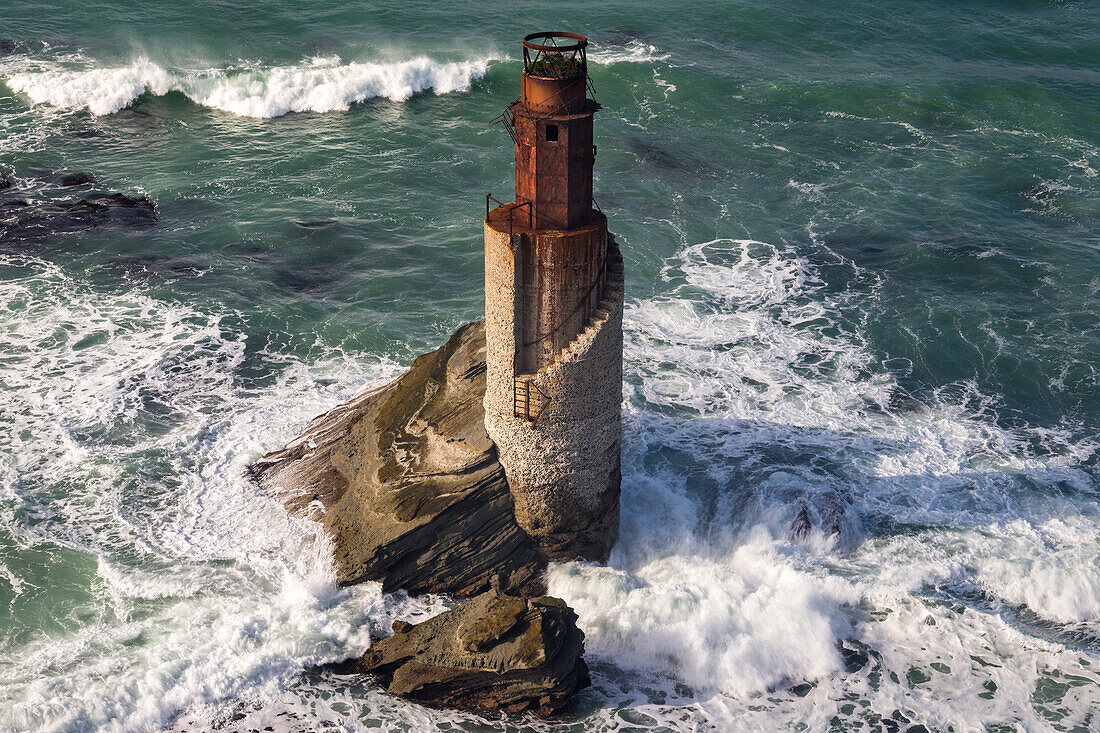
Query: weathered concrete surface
[[493, 653], [407, 483], [564, 473]]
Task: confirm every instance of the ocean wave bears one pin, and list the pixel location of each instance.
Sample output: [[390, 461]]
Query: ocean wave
[[175, 535], [633, 52], [776, 406], [319, 84], [315, 85]]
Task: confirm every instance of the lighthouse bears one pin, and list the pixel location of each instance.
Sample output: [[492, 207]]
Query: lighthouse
[[553, 314]]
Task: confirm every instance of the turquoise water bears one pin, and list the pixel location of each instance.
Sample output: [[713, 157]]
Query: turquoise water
[[862, 244]]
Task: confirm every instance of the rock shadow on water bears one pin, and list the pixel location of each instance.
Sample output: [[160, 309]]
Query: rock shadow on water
[[143, 268], [332, 248], [315, 280], [315, 224], [680, 163], [13, 47]]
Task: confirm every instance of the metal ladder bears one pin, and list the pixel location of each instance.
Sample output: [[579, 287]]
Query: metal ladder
[[525, 396]]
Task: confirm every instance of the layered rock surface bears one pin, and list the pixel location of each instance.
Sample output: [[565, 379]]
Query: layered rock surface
[[407, 484], [493, 653]]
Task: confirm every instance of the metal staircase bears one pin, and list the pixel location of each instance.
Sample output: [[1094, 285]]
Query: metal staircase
[[529, 401]]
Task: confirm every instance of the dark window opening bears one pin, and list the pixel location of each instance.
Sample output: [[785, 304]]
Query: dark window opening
[[552, 133]]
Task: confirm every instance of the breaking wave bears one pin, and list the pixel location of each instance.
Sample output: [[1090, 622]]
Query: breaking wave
[[320, 84], [794, 534], [315, 85], [633, 51]]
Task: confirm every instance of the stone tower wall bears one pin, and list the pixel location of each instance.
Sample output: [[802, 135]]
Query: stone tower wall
[[563, 470], [560, 289]]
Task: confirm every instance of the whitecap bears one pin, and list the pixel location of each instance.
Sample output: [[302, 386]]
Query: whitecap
[[314, 85], [632, 52], [751, 394]]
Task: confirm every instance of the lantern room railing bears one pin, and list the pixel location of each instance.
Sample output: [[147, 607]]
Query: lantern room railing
[[555, 55]]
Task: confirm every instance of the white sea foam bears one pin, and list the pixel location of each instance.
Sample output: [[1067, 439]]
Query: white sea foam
[[633, 51], [315, 85], [739, 622], [321, 84], [776, 405], [942, 550], [208, 591]]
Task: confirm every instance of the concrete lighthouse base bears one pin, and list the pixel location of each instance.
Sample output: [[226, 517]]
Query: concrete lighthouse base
[[563, 467]]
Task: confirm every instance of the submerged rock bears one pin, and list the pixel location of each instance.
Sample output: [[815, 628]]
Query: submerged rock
[[67, 180], [493, 653], [12, 47], [407, 484], [30, 220]]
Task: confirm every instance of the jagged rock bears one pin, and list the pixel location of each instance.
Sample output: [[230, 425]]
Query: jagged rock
[[493, 653], [801, 526], [407, 483], [822, 511]]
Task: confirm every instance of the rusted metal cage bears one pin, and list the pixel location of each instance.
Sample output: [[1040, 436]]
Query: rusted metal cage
[[554, 42], [555, 72]]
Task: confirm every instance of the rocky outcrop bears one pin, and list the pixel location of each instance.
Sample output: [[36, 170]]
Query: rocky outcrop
[[493, 653], [407, 484]]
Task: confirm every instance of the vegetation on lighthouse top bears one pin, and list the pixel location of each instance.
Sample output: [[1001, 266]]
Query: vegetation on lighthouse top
[[553, 65]]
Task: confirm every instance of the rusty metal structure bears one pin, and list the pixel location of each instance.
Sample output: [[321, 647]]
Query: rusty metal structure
[[554, 293], [559, 239]]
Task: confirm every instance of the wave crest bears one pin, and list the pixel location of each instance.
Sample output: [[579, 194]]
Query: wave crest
[[317, 85]]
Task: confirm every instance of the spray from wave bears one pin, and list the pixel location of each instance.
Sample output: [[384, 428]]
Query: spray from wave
[[797, 544], [316, 85], [125, 435], [633, 51]]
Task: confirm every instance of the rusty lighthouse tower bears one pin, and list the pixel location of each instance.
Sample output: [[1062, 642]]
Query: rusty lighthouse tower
[[553, 314]]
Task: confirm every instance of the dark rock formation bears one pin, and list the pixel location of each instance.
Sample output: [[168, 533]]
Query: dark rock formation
[[11, 47], [28, 221], [493, 653], [406, 482], [824, 511], [66, 180]]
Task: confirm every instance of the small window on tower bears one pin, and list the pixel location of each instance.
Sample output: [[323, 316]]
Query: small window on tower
[[552, 133]]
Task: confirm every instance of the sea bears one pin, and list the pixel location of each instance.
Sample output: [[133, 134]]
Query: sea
[[861, 460]]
